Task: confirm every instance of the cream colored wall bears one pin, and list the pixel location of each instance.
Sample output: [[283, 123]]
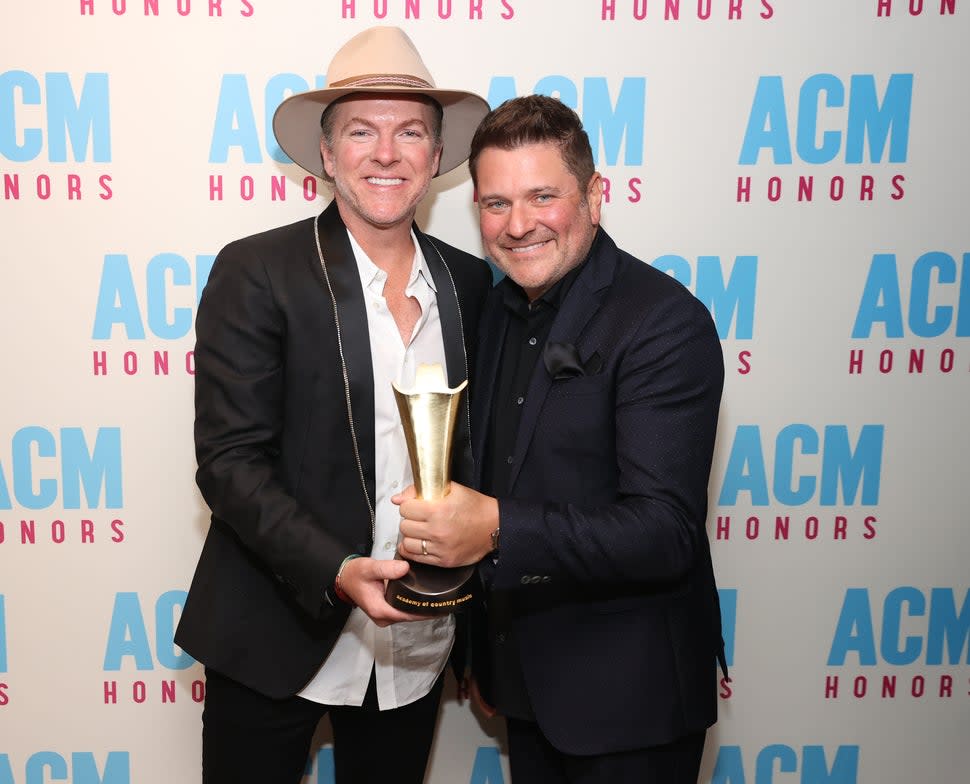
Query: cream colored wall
[[174, 105]]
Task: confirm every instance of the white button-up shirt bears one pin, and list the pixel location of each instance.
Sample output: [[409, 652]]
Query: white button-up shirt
[[406, 657]]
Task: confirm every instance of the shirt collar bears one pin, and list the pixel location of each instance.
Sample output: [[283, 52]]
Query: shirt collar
[[371, 274]]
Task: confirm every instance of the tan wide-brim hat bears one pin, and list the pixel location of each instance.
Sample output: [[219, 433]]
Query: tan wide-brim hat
[[378, 60]]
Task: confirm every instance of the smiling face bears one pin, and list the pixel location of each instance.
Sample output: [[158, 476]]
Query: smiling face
[[537, 221], [382, 154]]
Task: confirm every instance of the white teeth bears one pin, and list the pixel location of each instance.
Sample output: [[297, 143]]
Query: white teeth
[[527, 248], [385, 180]]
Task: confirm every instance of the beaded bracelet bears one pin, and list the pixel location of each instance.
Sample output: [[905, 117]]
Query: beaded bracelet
[[336, 580]]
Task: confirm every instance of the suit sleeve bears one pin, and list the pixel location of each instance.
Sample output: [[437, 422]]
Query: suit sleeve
[[667, 389], [239, 410]]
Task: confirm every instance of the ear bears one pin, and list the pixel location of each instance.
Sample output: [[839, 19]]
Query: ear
[[594, 197], [327, 155], [437, 160]]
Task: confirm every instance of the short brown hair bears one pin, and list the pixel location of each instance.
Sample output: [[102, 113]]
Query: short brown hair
[[535, 119]]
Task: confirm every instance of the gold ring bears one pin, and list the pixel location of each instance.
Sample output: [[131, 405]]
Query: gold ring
[[424, 547]]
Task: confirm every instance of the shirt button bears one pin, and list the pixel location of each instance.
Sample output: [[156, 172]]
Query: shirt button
[[532, 341], [519, 401], [509, 460], [394, 484], [388, 545]]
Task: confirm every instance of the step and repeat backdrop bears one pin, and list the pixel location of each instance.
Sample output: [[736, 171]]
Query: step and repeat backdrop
[[802, 167]]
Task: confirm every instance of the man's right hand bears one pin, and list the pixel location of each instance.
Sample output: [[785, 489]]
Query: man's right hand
[[364, 580]]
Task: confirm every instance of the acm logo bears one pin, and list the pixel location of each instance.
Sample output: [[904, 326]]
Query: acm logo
[[872, 124], [128, 635], [734, 765], [78, 767], [82, 119], [162, 303], [843, 471], [831, 467], [158, 300], [935, 278], [920, 639], [926, 301], [833, 122], [75, 121], [941, 621], [61, 466], [134, 643]]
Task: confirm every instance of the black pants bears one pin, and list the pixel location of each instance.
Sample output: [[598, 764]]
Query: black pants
[[533, 760], [251, 739]]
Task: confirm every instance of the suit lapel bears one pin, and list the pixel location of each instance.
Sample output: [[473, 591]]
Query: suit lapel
[[448, 313], [456, 357], [495, 322], [582, 301], [341, 270]]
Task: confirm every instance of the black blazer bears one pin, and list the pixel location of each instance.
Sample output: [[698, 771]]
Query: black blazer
[[289, 483], [604, 553]]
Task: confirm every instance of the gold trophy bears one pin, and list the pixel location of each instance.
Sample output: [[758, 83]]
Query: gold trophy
[[428, 412]]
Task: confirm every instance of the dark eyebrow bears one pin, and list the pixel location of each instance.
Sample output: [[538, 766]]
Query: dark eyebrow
[[531, 192]]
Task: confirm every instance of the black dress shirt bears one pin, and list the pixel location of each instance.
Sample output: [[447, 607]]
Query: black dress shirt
[[529, 326], [528, 330]]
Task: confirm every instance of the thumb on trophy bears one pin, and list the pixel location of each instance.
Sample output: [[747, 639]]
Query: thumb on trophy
[[366, 574], [391, 570], [407, 494]]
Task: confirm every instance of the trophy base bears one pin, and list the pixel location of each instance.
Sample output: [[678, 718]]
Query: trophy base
[[431, 590]]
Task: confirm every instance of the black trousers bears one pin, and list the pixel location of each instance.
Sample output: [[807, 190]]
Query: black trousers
[[248, 738], [533, 760]]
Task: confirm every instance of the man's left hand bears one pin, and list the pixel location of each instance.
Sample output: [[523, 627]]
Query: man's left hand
[[453, 531]]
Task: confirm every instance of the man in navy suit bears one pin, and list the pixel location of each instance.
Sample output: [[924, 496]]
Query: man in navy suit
[[593, 425]]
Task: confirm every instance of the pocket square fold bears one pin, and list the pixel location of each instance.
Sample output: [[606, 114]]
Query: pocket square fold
[[562, 360]]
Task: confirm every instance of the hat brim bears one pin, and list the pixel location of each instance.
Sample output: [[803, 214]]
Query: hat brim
[[296, 123]]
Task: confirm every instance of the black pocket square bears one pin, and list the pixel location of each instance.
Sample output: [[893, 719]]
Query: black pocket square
[[562, 361]]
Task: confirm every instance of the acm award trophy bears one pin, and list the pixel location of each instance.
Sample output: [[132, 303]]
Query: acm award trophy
[[428, 412]]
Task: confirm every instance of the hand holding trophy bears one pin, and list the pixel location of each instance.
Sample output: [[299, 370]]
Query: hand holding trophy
[[429, 411]]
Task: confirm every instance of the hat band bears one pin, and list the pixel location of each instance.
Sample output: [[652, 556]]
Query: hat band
[[384, 80]]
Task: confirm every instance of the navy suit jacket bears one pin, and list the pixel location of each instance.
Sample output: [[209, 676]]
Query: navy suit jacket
[[289, 481], [603, 549]]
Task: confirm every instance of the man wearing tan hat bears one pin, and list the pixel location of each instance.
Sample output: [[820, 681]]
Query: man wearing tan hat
[[300, 332]]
